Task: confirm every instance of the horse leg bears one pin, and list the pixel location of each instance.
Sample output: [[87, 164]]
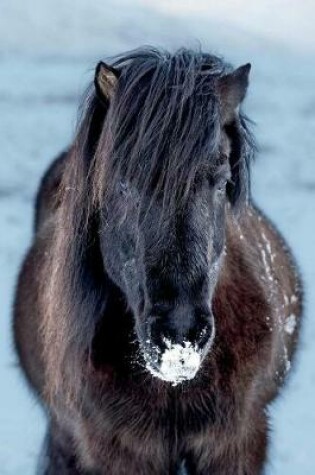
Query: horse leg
[[238, 457], [249, 460], [58, 456]]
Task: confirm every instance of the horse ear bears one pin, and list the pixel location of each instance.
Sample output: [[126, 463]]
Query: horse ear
[[105, 81], [241, 154], [232, 91]]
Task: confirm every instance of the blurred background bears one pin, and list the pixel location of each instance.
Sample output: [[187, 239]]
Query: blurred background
[[48, 50]]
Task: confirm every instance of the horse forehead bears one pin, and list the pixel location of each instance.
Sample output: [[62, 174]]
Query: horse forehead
[[175, 234]]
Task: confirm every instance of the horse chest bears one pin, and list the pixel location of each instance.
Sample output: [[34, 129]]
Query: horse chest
[[131, 431]]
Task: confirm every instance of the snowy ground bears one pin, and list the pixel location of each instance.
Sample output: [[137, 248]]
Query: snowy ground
[[47, 53]]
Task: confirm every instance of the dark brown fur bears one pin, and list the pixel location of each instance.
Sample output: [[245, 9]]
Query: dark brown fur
[[108, 416]]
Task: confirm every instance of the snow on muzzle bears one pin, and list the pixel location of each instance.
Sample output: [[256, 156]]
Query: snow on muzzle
[[177, 359]]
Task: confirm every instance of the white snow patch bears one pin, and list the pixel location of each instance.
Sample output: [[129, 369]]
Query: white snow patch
[[268, 247], [286, 360], [178, 362], [288, 365], [266, 265], [290, 324]]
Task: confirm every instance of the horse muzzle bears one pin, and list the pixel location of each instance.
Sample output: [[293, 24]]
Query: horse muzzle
[[175, 345]]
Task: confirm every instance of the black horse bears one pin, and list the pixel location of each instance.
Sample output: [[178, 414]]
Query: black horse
[[158, 309]]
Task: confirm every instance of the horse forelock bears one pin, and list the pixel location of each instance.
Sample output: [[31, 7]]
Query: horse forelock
[[163, 122]]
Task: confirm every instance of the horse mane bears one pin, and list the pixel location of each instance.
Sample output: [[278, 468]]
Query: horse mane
[[161, 126]]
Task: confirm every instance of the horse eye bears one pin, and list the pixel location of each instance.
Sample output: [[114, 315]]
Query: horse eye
[[220, 186], [217, 183]]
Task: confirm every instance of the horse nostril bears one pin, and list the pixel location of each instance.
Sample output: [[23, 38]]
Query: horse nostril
[[195, 327], [196, 336], [204, 327], [201, 336], [206, 336]]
